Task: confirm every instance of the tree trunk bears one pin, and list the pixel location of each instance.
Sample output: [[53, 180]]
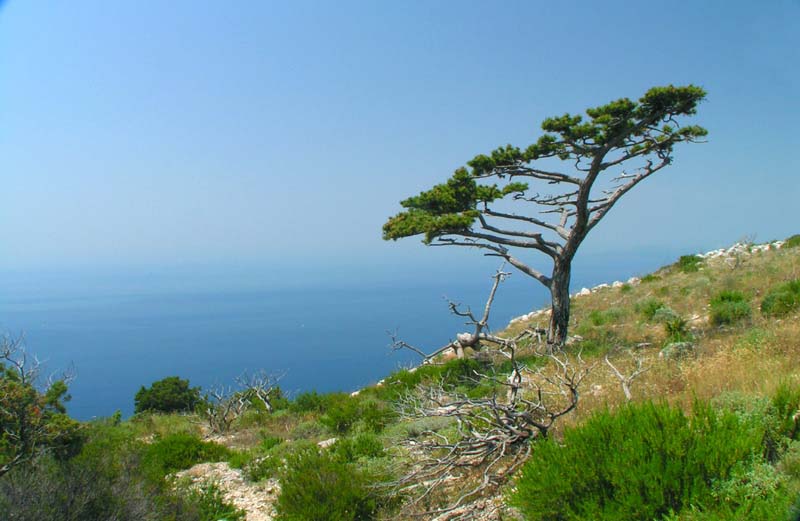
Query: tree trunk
[[559, 311]]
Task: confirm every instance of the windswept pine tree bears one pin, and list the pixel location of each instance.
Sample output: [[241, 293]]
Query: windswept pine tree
[[550, 195]]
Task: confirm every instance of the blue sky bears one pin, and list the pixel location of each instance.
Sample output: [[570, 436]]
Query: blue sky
[[250, 138]]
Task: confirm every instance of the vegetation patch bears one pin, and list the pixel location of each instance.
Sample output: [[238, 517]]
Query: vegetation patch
[[677, 461], [178, 452], [729, 307], [319, 485], [171, 394], [792, 242], [689, 263], [782, 300], [648, 308]]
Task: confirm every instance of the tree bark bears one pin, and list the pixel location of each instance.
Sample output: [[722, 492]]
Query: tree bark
[[559, 311]]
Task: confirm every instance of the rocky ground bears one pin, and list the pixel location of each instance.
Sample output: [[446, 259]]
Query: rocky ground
[[254, 498]]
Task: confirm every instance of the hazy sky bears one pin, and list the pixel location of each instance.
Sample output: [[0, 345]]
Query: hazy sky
[[156, 134]]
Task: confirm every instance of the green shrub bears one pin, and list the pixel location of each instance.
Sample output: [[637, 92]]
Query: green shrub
[[606, 316], [178, 452], [316, 485], [104, 481], [649, 307], [786, 404], [365, 445], [171, 394], [792, 242], [268, 442], [307, 402], [266, 464], [689, 263], [625, 288], [640, 463], [782, 300], [677, 329], [341, 412], [650, 278], [374, 415], [729, 307], [210, 505]]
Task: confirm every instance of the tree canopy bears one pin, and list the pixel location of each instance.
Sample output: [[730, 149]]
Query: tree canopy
[[606, 152]]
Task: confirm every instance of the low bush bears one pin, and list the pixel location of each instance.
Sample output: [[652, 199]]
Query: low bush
[[792, 242], [782, 300], [786, 404], [365, 445], [104, 481], [664, 314], [317, 485], [308, 402], [689, 263], [649, 307], [606, 316], [178, 452], [677, 460], [677, 329], [650, 278], [729, 307], [342, 411], [209, 504]]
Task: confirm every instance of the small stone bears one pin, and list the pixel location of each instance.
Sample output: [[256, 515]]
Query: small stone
[[324, 444]]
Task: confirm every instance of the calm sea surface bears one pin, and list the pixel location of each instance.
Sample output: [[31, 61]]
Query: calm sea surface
[[333, 339]]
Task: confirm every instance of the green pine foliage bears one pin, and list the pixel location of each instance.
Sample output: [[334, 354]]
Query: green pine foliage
[[170, 394], [455, 205]]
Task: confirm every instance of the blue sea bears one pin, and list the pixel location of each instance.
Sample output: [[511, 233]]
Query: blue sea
[[321, 339]]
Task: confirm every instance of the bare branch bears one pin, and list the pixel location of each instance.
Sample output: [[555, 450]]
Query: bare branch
[[627, 380]]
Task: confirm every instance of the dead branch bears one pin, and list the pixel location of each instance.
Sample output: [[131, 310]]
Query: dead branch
[[463, 340], [224, 404], [493, 434], [627, 380]]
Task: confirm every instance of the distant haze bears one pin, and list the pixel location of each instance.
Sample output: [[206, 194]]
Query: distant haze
[[217, 143]]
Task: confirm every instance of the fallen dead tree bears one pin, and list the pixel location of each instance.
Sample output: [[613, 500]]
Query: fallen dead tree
[[492, 435]]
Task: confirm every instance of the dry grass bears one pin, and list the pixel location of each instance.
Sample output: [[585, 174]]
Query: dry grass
[[753, 357]]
